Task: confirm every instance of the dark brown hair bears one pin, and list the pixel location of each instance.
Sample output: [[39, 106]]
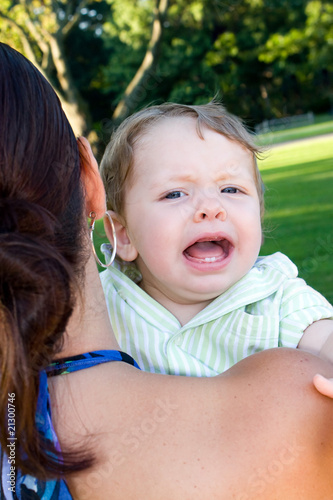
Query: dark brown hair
[[41, 228], [118, 159]]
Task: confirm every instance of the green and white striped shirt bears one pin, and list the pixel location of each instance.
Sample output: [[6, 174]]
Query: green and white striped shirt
[[269, 307]]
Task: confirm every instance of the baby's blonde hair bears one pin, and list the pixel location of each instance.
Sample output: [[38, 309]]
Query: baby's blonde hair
[[118, 159]]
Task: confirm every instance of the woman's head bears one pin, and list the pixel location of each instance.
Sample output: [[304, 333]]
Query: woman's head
[[119, 157], [41, 227]]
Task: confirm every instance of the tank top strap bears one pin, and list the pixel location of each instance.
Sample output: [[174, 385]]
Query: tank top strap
[[86, 360]]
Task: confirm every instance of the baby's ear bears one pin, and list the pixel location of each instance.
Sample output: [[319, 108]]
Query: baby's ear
[[125, 249]]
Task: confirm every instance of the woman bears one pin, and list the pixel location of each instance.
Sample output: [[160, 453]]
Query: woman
[[258, 431]]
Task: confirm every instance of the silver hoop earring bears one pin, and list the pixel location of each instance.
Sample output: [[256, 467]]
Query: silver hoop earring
[[92, 216]]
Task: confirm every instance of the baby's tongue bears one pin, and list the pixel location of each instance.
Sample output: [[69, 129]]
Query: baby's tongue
[[204, 249]]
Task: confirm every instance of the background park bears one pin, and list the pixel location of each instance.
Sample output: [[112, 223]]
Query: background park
[[269, 61]]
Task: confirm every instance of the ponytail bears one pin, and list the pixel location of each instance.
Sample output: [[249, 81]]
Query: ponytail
[[36, 301]]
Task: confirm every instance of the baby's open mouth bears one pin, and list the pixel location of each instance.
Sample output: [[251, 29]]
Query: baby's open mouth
[[208, 251]]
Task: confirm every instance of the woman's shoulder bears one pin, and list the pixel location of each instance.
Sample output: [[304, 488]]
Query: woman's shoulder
[[179, 437]]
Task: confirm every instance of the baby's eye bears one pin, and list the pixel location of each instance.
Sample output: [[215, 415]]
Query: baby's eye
[[230, 189], [175, 194]]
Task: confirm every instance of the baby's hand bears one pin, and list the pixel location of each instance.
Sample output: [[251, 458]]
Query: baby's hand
[[323, 385]]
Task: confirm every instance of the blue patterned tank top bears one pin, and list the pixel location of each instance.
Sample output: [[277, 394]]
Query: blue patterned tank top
[[16, 486]]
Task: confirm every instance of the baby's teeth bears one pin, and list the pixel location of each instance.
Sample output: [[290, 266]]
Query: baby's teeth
[[210, 259]]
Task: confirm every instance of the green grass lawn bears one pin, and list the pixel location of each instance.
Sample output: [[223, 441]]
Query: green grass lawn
[[322, 125], [299, 208]]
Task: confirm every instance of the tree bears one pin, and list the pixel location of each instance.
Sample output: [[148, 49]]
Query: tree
[[142, 76], [304, 58], [108, 58], [41, 30]]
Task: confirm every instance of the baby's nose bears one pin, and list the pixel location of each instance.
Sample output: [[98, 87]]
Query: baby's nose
[[210, 209]]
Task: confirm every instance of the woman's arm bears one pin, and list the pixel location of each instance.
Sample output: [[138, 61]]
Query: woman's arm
[[258, 431]]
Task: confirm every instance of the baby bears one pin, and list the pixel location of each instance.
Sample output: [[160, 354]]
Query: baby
[[188, 294]]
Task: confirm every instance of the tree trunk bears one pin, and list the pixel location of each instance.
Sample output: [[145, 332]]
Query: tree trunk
[[73, 105], [139, 86]]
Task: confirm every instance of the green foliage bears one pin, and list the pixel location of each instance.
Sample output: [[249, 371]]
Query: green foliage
[[263, 58], [129, 22]]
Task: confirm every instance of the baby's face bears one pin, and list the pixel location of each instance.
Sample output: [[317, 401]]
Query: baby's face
[[192, 212]]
